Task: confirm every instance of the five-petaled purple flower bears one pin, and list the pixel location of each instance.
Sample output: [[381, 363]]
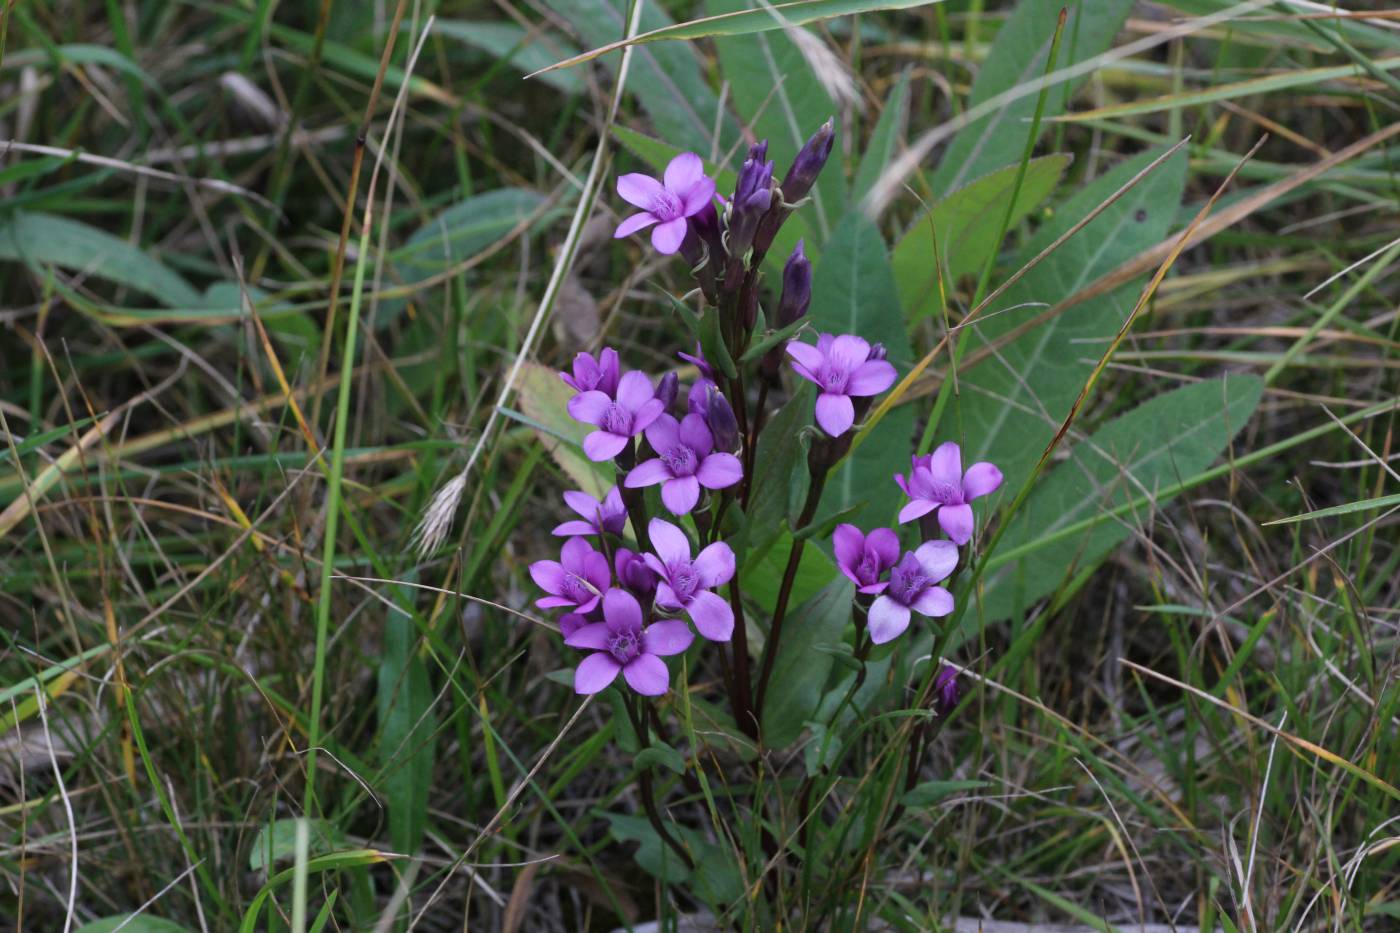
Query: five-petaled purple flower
[[577, 579], [841, 367], [590, 372], [610, 515], [865, 558], [683, 191], [913, 587], [938, 482], [686, 584], [621, 643], [685, 461], [618, 420]]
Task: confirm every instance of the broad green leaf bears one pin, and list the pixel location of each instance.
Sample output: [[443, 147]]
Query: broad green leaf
[[779, 97], [276, 842], [407, 728], [760, 19], [140, 923], [855, 294], [658, 755], [50, 240], [1177, 434], [883, 140], [351, 858], [929, 793], [1013, 402], [667, 80], [527, 50], [464, 230], [544, 399], [800, 671], [763, 572], [1017, 57], [967, 222], [779, 454]]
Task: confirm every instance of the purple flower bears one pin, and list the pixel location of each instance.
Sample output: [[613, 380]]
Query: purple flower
[[841, 367], [577, 579], [590, 373], [686, 584], [865, 558], [597, 517], [621, 643], [685, 461], [945, 690], [938, 482], [634, 574], [571, 622], [618, 420], [912, 587], [697, 400], [683, 191]]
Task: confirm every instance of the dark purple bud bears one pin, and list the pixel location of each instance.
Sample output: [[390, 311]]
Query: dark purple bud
[[698, 360], [797, 288], [723, 425], [753, 195], [808, 164], [634, 574], [945, 690], [666, 389], [697, 402], [877, 352]]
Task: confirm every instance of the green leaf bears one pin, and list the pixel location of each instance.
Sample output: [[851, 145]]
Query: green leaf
[[667, 80], [763, 572], [779, 454], [527, 50], [800, 672], [779, 97], [351, 858], [1018, 57], [1014, 401], [1345, 509], [883, 140], [49, 240], [544, 398], [1177, 434], [277, 841], [140, 923], [658, 755], [967, 222], [464, 230], [407, 733], [856, 295], [929, 793]]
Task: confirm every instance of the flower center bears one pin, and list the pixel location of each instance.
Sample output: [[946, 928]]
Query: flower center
[[577, 588], [947, 493], [906, 583], [624, 646], [684, 580], [618, 420], [666, 206], [868, 570], [680, 460], [834, 379]]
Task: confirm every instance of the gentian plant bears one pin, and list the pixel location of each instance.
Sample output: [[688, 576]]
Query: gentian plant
[[668, 552]]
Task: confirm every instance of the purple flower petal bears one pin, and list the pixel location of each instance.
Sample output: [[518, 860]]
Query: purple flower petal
[[647, 414], [808, 356], [848, 351], [680, 494], [582, 503], [945, 465], [835, 413], [632, 224], [574, 527], [571, 622], [669, 543], [980, 479], [595, 672], [663, 433], [870, 378], [590, 407], [622, 610], [639, 190], [634, 390], [719, 471], [916, 509], [666, 597], [647, 473], [887, 620], [698, 196], [956, 521], [647, 674], [548, 575], [885, 544], [600, 446], [695, 434], [667, 237], [683, 172], [934, 601], [593, 636], [849, 545], [559, 602], [712, 616], [938, 558], [668, 637], [715, 565]]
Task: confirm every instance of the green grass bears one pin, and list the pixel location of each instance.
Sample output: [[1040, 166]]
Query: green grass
[[229, 392]]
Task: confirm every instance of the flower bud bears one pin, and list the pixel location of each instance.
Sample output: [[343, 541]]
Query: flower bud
[[666, 389], [797, 288], [723, 425], [808, 164], [634, 574], [946, 692], [753, 195]]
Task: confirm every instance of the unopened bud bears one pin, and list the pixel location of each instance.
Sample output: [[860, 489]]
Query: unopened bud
[[666, 389], [753, 195], [797, 288], [723, 425], [811, 158], [946, 692]]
